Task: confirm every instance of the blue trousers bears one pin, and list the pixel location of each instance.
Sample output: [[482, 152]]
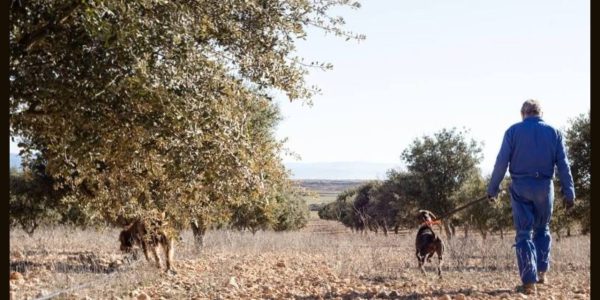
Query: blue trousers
[[532, 201]]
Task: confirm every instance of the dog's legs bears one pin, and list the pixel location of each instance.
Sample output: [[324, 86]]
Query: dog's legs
[[418, 258], [439, 250], [421, 260], [429, 255]]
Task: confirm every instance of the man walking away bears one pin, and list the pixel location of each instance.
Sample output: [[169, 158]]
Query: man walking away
[[531, 149]]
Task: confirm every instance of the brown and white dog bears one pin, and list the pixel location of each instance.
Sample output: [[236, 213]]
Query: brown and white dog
[[427, 242], [149, 234]]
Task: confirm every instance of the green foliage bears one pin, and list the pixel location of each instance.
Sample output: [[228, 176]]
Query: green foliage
[[343, 210], [579, 143], [291, 212], [35, 200], [442, 163], [286, 210], [29, 205], [252, 217], [142, 106], [483, 216], [372, 206]]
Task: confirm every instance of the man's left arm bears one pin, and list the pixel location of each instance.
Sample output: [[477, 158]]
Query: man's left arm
[[502, 161], [564, 171]]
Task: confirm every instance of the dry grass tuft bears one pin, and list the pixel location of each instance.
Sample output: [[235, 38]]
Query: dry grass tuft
[[278, 264]]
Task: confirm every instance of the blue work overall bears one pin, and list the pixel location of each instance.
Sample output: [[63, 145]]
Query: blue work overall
[[531, 149]]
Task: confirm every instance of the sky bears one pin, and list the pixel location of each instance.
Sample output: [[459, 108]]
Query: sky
[[427, 65], [432, 64]]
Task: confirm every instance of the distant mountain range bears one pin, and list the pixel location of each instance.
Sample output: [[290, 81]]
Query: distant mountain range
[[316, 170], [340, 170]]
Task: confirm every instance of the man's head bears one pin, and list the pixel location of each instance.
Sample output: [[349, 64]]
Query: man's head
[[531, 108]]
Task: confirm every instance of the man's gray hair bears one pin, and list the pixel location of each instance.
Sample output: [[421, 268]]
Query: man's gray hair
[[531, 107]]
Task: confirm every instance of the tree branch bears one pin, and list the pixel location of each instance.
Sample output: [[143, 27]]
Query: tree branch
[[30, 39]]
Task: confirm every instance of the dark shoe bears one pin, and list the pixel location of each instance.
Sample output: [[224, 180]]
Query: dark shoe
[[541, 277], [527, 289]]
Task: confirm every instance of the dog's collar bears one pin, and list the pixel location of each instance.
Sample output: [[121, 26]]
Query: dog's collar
[[434, 222]]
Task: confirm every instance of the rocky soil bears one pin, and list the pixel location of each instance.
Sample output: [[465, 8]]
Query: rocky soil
[[323, 261]]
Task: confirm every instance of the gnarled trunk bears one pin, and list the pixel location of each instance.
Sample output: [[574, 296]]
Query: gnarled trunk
[[199, 230]]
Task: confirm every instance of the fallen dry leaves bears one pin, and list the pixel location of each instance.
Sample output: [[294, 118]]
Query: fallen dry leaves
[[300, 265]]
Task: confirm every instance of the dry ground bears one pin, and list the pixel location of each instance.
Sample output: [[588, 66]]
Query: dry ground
[[323, 260]]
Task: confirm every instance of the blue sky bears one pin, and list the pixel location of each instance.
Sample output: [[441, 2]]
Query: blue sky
[[426, 65]]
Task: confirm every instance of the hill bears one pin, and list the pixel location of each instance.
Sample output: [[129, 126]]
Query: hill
[[328, 186], [356, 170]]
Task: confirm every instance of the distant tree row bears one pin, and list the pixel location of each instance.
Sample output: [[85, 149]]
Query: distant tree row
[[442, 174]]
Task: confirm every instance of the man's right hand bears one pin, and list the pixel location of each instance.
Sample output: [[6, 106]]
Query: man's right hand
[[493, 199], [568, 203]]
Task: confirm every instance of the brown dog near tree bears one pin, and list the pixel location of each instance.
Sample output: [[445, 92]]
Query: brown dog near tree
[[148, 235]]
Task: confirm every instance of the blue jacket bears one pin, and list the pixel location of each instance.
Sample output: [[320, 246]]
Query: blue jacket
[[531, 149]]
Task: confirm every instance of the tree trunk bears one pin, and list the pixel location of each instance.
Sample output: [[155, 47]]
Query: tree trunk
[[448, 231], [466, 231], [569, 231], [501, 233], [198, 229], [483, 233], [453, 228], [384, 227], [396, 229]]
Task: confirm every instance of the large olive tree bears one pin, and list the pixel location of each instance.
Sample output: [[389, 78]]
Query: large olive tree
[[159, 105]]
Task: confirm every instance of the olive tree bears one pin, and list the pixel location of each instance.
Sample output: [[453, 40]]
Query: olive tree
[[579, 145], [484, 217], [442, 163], [140, 106]]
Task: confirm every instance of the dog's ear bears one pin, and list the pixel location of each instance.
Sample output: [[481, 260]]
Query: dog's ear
[[426, 212], [433, 217]]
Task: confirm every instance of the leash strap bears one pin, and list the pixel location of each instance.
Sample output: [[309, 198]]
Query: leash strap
[[434, 222], [465, 206]]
